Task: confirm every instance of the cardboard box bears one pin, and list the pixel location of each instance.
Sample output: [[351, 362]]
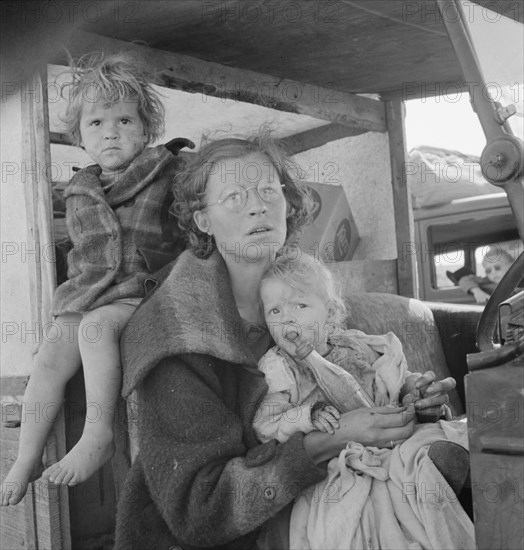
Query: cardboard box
[[332, 235]]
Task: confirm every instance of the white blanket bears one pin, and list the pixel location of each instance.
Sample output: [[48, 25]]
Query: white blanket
[[384, 499]]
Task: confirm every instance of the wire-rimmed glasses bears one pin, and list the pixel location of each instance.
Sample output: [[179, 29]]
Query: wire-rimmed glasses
[[235, 197]]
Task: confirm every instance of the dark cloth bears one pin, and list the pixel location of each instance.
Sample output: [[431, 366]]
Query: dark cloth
[[119, 237], [201, 479]]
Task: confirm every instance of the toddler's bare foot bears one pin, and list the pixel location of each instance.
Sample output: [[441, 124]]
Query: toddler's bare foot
[[83, 460], [14, 486]]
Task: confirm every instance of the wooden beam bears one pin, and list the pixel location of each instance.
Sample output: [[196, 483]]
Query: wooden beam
[[316, 137], [404, 226], [60, 139], [51, 514], [194, 75], [296, 143], [39, 207]]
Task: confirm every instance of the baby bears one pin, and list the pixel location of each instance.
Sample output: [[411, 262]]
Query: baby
[[299, 295], [298, 291], [117, 215]]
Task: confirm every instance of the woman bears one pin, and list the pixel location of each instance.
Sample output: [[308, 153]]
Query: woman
[[201, 479]]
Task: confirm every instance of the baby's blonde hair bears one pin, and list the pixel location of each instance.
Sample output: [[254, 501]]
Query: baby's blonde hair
[[111, 79], [304, 272]]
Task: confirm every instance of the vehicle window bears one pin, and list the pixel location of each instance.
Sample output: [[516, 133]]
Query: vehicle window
[[463, 241], [451, 259]]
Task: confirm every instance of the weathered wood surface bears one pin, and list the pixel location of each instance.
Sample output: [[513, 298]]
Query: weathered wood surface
[[196, 76], [45, 522], [404, 227], [351, 45]]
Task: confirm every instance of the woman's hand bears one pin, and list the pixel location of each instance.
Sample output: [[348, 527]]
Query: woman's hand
[[432, 392], [427, 393], [377, 427]]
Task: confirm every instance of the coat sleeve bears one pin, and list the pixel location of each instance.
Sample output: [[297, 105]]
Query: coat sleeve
[[469, 282], [208, 487]]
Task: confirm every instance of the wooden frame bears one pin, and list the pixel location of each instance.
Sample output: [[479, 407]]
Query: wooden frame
[[349, 114], [46, 510], [196, 76]]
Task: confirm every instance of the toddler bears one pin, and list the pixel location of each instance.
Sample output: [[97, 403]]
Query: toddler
[[117, 216]]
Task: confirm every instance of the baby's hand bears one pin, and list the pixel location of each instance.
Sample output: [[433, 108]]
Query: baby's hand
[[325, 418], [411, 397], [409, 393]]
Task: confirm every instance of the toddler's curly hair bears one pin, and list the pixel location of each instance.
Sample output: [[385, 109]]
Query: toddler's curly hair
[[113, 78]]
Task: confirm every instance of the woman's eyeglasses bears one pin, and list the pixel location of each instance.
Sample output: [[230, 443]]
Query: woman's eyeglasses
[[235, 198]]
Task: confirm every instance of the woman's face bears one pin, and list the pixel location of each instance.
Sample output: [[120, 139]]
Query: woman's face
[[255, 231]]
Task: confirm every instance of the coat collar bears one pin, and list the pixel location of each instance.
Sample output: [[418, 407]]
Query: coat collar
[[192, 312], [141, 172]]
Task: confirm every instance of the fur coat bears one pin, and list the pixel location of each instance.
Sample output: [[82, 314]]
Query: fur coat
[[200, 478], [121, 236]]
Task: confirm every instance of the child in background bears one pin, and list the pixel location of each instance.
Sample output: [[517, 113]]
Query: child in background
[[496, 262], [117, 216], [365, 495]]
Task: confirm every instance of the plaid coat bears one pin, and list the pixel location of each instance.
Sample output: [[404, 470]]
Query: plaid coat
[[121, 236]]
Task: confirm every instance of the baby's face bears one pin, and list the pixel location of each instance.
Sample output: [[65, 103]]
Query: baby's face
[[496, 270], [288, 309], [112, 134]]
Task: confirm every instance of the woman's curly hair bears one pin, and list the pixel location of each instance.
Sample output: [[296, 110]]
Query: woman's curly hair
[[113, 78], [189, 186]]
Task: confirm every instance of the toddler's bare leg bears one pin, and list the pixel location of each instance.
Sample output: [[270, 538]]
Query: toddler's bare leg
[[100, 331], [56, 362]]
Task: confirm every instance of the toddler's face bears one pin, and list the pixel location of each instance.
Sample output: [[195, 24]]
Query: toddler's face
[[112, 135], [496, 270], [288, 309]]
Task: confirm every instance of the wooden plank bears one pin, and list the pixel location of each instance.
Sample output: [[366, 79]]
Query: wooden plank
[[12, 518], [334, 42], [39, 207], [30, 518], [61, 139], [316, 137], [296, 143], [197, 76], [404, 226], [51, 515]]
